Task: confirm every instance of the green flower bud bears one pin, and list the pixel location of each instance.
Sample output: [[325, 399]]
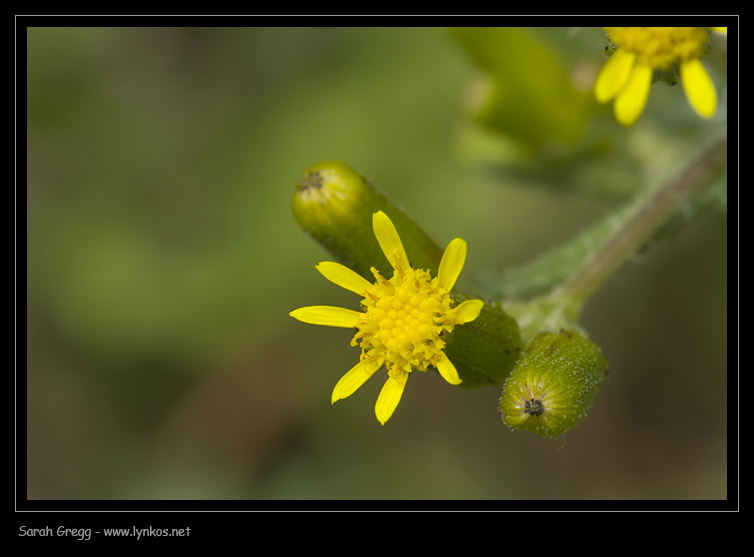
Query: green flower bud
[[336, 205], [554, 384]]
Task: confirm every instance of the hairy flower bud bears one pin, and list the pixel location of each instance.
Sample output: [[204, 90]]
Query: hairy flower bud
[[554, 384]]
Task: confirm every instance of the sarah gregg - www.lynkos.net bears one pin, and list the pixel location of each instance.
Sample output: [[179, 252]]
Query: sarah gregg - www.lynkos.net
[[85, 534]]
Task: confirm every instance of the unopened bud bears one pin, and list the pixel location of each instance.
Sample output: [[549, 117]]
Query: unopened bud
[[554, 383]]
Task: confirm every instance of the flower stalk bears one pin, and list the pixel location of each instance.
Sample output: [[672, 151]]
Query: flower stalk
[[639, 221]]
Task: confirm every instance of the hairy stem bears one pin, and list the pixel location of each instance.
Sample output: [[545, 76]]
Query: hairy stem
[[643, 217]]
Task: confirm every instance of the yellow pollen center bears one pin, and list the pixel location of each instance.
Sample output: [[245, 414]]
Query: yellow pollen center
[[403, 320], [660, 47]]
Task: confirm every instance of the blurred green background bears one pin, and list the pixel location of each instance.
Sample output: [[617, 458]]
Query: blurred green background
[[163, 261]]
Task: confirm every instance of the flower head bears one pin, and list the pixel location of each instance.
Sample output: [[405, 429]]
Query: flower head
[[403, 318], [627, 75]]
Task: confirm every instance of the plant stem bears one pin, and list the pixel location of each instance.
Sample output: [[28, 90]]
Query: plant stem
[[643, 217]]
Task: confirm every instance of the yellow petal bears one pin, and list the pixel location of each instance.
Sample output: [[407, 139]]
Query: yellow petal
[[390, 241], [390, 396], [723, 30], [452, 263], [448, 371], [614, 75], [344, 277], [631, 101], [327, 315], [468, 311], [353, 379], [700, 91]]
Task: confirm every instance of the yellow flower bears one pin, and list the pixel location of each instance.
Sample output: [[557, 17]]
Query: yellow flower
[[403, 319], [627, 75]]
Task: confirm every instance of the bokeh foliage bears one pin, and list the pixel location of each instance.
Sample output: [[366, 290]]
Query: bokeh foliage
[[162, 261]]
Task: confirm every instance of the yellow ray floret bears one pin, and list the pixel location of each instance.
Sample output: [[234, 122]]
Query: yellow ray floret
[[614, 75], [344, 277], [404, 319], [353, 379], [631, 100], [451, 263], [389, 240], [327, 315], [700, 91]]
